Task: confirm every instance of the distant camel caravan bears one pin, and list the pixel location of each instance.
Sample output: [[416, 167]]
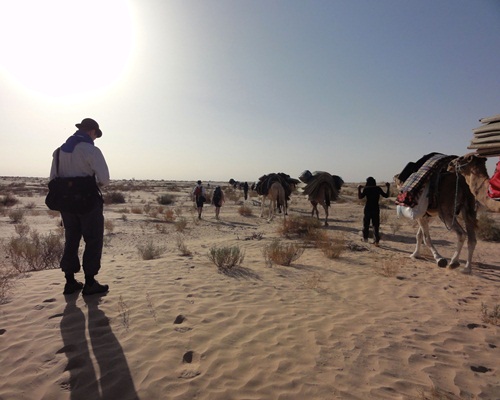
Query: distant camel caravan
[[449, 195], [321, 188], [277, 188]]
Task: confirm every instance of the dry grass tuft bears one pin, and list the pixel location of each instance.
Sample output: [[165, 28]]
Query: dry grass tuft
[[487, 229], [299, 226], [226, 258], [490, 317], [35, 252], [332, 247], [282, 253], [390, 267], [181, 245], [245, 211], [150, 251], [169, 216], [181, 224]]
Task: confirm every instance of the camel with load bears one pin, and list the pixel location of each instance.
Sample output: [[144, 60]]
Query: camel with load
[[321, 188], [449, 198]]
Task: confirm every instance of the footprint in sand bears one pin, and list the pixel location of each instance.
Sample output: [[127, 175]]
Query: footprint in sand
[[49, 300], [474, 326], [2, 331], [179, 320], [56, 315], [192, 361], [480, 368]]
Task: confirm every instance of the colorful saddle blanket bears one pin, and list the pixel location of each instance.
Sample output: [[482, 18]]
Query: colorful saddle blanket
[[413, 185], [494, 188]]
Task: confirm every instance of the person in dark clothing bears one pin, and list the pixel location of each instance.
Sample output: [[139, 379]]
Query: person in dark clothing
[[372, 192], [245, 190]]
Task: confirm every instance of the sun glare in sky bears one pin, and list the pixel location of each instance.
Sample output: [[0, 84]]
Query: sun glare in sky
[[61, 48]]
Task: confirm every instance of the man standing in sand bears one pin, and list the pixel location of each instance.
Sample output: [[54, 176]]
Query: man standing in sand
[[78, 157], [199, 197], [372, 192]]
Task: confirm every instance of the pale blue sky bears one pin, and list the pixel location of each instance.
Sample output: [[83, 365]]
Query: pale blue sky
[[213, 90]]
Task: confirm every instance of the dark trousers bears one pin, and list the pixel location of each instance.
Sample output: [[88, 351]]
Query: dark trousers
[[373, 216], [90, 226]]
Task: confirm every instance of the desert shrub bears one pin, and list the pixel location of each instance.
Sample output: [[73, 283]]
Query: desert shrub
[[8, 200], [114, 198], [16, 216], [109, 226], [150, 251], [30, 206], [245, 211], [299, 226], [181, 245], [490, 317], [169, 216], [6, 282], [226, 257], [136, 210], [487, 229], [165, 199], [180, 224], [22, 229], [332, 247], [282, 253], [36, 252]]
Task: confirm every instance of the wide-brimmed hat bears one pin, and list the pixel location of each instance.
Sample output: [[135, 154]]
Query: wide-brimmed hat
[[89, 124]]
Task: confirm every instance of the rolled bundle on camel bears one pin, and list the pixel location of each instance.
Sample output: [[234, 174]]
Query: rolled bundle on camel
[[277, 187], [321, 188], [427, 189], [486, 139]]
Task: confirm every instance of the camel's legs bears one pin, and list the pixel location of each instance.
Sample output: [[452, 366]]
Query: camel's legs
[[423, 233], [325, 207], [272, 209], [262, 205], [470, 232]]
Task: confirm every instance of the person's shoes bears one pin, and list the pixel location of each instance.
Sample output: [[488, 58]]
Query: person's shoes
[[72, 287], [95, 288]]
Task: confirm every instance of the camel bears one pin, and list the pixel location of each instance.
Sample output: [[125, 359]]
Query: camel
[[277, 199], [263, 186], [452, 197], [473, 169], [321, 188]]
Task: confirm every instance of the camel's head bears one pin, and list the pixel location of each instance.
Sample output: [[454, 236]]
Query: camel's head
[[468, 164]]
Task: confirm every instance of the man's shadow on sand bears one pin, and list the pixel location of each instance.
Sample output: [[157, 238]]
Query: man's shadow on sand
[[115, 380]]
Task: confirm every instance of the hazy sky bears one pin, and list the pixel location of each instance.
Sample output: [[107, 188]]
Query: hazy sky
[[220, 89]]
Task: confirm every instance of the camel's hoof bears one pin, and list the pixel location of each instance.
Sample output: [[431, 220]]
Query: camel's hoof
[[466, 271], [326, 223], [454, 265], [442, 263]]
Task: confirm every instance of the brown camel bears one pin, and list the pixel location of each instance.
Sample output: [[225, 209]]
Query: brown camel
[[277, 199], [473, 168], [452, 197], [321, 188]]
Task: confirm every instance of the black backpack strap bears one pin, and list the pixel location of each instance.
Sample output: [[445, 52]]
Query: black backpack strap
[[57, 160]]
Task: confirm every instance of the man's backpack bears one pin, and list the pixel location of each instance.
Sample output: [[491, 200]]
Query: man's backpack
[[217, 195], [197, 191]]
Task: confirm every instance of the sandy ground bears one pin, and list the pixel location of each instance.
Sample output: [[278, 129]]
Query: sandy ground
[[175, 328]]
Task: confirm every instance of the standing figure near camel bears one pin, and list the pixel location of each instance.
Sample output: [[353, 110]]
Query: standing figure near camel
[[372, 192]]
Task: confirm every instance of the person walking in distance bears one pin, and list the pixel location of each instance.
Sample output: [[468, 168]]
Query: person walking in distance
[[218, 200], [79, 157], [372, 192], [199, 197]]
